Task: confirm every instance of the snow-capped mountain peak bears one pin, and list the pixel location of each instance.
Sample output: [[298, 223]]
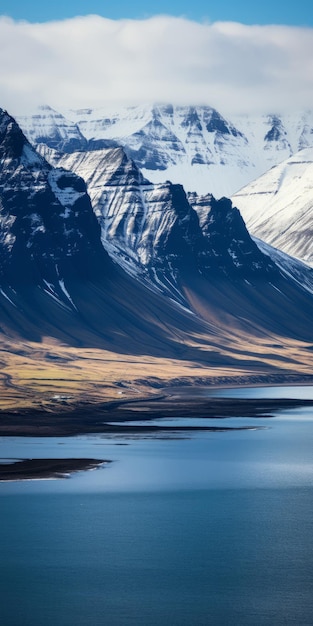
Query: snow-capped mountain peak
[[191, 145]]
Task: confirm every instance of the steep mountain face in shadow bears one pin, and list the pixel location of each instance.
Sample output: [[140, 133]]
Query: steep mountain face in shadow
[[56, 278], [147, 227], [173, 241], [47, 227], [141, 269]]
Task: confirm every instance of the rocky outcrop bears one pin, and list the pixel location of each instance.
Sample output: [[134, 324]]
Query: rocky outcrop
[[48, 231]]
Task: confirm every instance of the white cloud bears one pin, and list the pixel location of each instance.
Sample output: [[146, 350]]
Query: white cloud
[[90, 61]]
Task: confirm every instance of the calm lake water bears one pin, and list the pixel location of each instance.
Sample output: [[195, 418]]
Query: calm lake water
[[214, 529]]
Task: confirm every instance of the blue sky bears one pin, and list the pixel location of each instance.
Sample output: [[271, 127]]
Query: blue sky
[[297, 13]]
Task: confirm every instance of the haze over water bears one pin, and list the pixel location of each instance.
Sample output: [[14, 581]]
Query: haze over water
[[213, 530]]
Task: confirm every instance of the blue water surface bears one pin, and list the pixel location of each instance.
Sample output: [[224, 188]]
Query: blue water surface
[[213, 529]]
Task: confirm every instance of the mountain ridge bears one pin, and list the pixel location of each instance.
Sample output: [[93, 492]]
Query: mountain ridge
[[162, 236], [71, 316], [191, 145]]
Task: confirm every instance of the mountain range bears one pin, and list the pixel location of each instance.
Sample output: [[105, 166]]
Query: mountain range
[[195, 146], [103, 271]]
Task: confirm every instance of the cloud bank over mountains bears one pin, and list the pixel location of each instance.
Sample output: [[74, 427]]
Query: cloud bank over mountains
[[91, 61]]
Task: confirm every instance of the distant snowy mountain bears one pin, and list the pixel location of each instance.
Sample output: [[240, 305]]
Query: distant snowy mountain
[[278, 206], [50, 127], [191, 145]]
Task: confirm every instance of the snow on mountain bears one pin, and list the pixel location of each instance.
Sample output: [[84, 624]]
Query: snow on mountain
[[48, 126], [295, 269], [278, 206], [48, 231], [56, 279], [190, 145], [115, 186], [194, 249], [154, 230], [239, 305]]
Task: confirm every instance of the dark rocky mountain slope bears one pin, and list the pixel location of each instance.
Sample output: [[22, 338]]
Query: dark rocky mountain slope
[[140, 270]]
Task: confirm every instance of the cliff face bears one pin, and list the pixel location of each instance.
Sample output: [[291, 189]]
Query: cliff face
[[48, 230], [157, 231]]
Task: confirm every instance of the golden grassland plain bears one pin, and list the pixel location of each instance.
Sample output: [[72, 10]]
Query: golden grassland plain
[[49, 375]]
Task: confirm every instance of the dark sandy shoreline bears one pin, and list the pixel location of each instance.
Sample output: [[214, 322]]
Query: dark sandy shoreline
[[91, 418], [97, 417], [38, 469]]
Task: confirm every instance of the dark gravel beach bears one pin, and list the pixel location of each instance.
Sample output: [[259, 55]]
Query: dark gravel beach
[[32, 469], [98, 417]]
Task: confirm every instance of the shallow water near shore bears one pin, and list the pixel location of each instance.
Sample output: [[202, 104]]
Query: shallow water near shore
[[210, 529]]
